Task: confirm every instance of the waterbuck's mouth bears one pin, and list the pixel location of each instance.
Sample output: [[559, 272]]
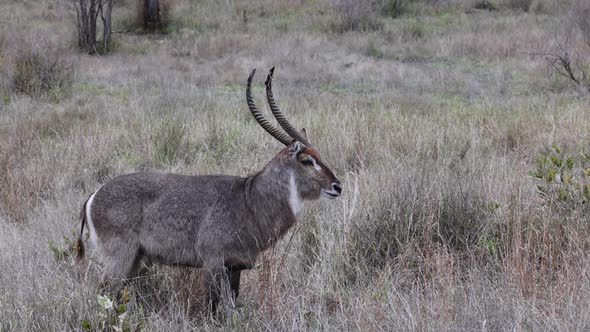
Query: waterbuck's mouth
[[330, 194]]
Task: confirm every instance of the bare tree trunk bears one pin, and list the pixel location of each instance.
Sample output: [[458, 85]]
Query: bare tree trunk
[[106, 22], [87, 14], [87, 11], [92, 15], [82, 15], [151, 15]]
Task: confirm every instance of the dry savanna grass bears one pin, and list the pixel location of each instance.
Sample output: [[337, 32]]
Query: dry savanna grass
[[464, 156]]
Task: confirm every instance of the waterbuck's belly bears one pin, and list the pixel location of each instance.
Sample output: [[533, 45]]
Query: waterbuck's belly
[[169, 236]]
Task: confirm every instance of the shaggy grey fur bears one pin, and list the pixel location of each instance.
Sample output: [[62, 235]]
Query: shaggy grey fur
[[218, 222]]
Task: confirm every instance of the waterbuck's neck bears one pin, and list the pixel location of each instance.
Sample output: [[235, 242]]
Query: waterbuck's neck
[[272, 197]]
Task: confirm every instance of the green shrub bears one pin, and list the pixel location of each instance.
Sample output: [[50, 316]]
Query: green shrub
[[62, 251], [115, 313], [394, 8], [523, 5], [373, 50], [413, 31], [356, 15], [564, 180], [485, 5], [42, 72]]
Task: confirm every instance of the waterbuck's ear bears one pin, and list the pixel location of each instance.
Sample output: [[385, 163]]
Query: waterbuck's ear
[[304, 134], [295, 148]]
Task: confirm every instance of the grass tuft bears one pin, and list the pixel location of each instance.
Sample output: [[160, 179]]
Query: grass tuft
[[170, 142]]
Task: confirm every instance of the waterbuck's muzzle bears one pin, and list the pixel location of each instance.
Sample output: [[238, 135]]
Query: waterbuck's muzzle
[[335, 190]]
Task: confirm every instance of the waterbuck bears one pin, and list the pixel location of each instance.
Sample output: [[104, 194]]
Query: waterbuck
[[218, 222]]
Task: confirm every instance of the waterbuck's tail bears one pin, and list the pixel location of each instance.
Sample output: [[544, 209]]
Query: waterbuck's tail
[[79, 244]]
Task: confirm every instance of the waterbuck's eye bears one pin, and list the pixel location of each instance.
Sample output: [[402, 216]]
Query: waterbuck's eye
[[307, 162]]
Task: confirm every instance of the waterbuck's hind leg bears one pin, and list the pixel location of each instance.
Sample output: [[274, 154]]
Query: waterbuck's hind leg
[[214, 284], [119, 267], [121, 261], [233, 275]]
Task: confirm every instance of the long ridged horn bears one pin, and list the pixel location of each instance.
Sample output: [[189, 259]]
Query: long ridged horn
[[289, 129], [276, 133]]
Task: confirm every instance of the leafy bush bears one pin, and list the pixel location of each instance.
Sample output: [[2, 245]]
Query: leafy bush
[[413, 31], [364, 15], [42, 71], [393, 8], [373, 49], [485, 5], [565, 180], [115, 314], [523, 5], [558, 232], [356, 15]]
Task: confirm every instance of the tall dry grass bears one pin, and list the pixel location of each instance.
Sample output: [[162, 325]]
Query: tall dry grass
[[453, 218]]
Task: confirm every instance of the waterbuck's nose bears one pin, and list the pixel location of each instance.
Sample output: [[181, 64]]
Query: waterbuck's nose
[[337, 188]]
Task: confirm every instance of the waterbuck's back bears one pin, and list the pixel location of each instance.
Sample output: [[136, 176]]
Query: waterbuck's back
[[172, 218]]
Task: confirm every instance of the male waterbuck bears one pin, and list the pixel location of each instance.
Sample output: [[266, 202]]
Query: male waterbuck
[[218, 222]]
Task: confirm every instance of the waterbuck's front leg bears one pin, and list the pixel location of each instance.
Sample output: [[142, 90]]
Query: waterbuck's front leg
[[218, 287]]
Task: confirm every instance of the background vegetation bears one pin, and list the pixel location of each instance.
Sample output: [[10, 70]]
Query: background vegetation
[[464, 152]]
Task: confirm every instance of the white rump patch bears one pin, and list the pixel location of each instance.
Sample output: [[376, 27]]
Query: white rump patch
[[91, 229], [295, 201]]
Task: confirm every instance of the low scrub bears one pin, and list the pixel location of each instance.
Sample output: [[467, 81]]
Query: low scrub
[[42, 71], [416, 217], [357, 16], [366, 15], [521, 5], [569, 54], [564, 180], [393, 8]]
